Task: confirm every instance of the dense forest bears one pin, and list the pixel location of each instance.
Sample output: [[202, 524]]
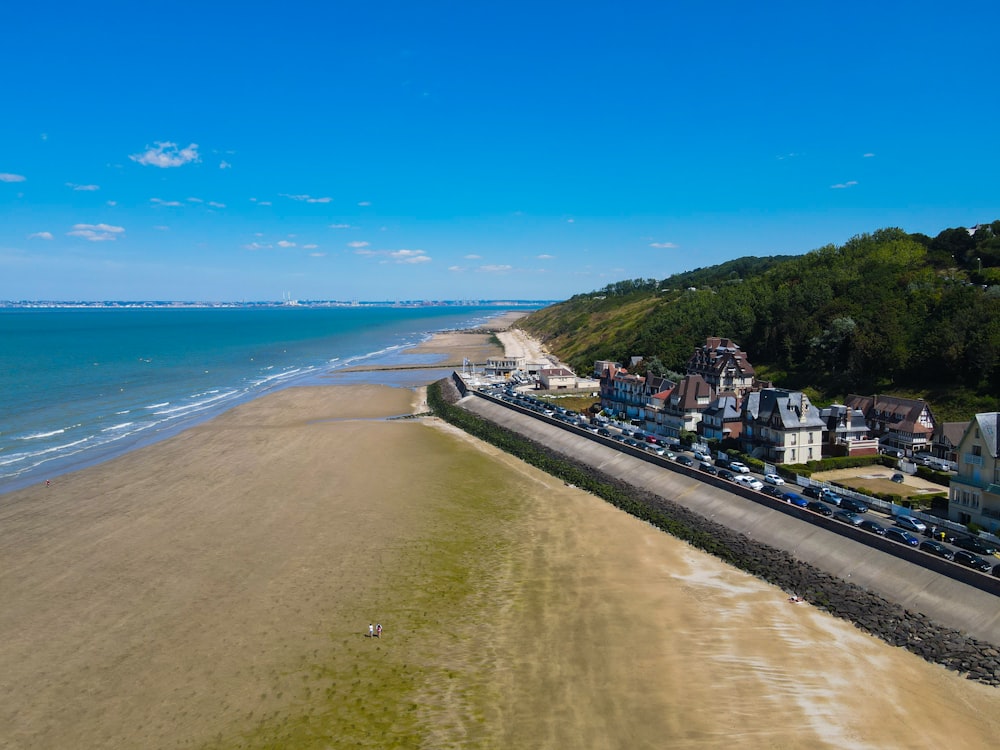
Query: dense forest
[[887, 312]]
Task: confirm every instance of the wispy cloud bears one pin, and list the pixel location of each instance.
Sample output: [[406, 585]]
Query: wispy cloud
[[306, 198], [570, 221], [842, 185], [112, 203], [225, 165], [96, 232], [663, 245], [340, 226], [496, 268], [195, 200], [285, 243], [311, 247], [216, 204], [166, 154], [8, 177], [260, 203], [83, 188], [544, 256], [782, 157], [161, 228], [257, 246], [40, 236], [869, 155], [317, 255], [397, 256], [456, 268], [364, 203], [161, 202], [358, 244], [472, 256]]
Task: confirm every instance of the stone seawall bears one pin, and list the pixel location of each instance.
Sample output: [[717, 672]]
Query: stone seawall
[[891, 622]]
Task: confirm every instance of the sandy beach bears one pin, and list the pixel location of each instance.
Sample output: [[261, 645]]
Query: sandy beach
[[215, 591]]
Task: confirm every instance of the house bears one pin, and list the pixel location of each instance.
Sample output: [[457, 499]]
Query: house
[[846, 432], [503, 367], [903, 423], [723, 366], [622, 393], [947, 436], [781, 426], [974, 492], [722, 419], [682, 406], [556, 379]]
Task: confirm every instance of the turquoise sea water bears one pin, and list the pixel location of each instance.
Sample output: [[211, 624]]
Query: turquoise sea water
[[78, 386]]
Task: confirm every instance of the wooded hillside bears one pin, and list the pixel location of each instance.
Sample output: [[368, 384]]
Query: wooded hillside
[[885, 312]]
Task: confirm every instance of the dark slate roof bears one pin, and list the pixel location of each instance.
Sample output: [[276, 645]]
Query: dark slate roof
[[988, 428]]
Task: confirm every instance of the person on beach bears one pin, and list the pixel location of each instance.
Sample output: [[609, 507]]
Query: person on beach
[[371, 630], [378, 630]]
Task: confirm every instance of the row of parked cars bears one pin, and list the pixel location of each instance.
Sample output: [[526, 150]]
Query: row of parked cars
[[904, 529]]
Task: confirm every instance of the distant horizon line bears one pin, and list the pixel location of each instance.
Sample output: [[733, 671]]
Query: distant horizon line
[[19, 304]]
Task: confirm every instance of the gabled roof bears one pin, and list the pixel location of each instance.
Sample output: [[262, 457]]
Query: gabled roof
[[951, 432], [989, 425], [725, 407], [793, 409], [901, 413], [689, 392]]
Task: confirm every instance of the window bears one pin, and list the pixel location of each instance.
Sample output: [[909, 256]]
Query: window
[[793, 455], [794, 439], [810, 454], [977, 450]]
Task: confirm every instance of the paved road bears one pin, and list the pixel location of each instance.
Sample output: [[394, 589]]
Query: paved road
[[946, 601]]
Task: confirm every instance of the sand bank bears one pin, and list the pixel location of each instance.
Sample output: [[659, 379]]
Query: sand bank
[[214, 590]]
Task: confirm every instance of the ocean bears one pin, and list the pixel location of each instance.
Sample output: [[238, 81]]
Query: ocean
[[81, 385]]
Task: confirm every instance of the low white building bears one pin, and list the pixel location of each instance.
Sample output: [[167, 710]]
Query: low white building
[[556, 379]]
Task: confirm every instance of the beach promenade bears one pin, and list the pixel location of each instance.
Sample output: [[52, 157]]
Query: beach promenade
[[215, 590]]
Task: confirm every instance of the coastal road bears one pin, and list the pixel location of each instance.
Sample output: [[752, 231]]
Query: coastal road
[[945, 600]]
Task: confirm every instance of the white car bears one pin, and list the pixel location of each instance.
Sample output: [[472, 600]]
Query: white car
[[774, 479], [699, 456], [754, 484], [739, 467]]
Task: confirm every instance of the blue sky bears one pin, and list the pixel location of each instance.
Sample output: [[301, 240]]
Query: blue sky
[[468, 150]]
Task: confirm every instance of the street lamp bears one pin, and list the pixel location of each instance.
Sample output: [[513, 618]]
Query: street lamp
[[980, 262]]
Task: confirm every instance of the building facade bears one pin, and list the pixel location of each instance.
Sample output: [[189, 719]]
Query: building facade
[[781, 426], [974, 493]]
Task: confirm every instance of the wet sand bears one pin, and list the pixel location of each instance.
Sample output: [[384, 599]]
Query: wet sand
[[215, 590]]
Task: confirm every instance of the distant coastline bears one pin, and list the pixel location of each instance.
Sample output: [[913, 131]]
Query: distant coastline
[[160, 304]]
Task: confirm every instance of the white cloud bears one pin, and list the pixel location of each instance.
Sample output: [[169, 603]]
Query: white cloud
[[472, 256], [96, 232], [215, 204], [358, 244], [455, 268], [166, 154], [112, 203], [842, 185], [40, 236], [8, 177], [306, 198], [311, 247], [285, 243], [225, 165], [83, 188], [570, 221], [543, 256], [869, 155], [161, 228], [260, 203], [195, 200], [663, 245], [257, 246], [364, 203], [397, 256], [317, 255], [340, 226], [161, 202], [495, 268]]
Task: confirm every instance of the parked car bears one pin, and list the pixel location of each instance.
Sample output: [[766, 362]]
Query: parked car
[[604, 431], [846, 516], [975, 544], [770, 489], [699, 456], [855, 506], [742, 468], [909, 523], [669, 454], [936, 548], [795, 499], [727, 475], [753, 483], [904, 537], [897, 478], [774, 479], [708, 469], [970, 560], [813, 491], [872, 527], [996, 570], [685, 460], [655, 449], [817, 507]]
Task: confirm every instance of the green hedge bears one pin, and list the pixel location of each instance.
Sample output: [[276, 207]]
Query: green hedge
[[938, 477]]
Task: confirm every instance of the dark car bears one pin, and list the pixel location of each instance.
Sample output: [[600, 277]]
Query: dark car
[[604, 431], [854, 506], [795, 499], [996, 570], [815, 492], [727, 475], [962, 557], [975, 544], [708, 469], [936, 548], [685, 460], [872, 527], [903, 537], [770, 489], [817, 507], [897, 478], [847, 517]]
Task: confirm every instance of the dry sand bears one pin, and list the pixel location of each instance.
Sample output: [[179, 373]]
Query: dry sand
[[215, 590]]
